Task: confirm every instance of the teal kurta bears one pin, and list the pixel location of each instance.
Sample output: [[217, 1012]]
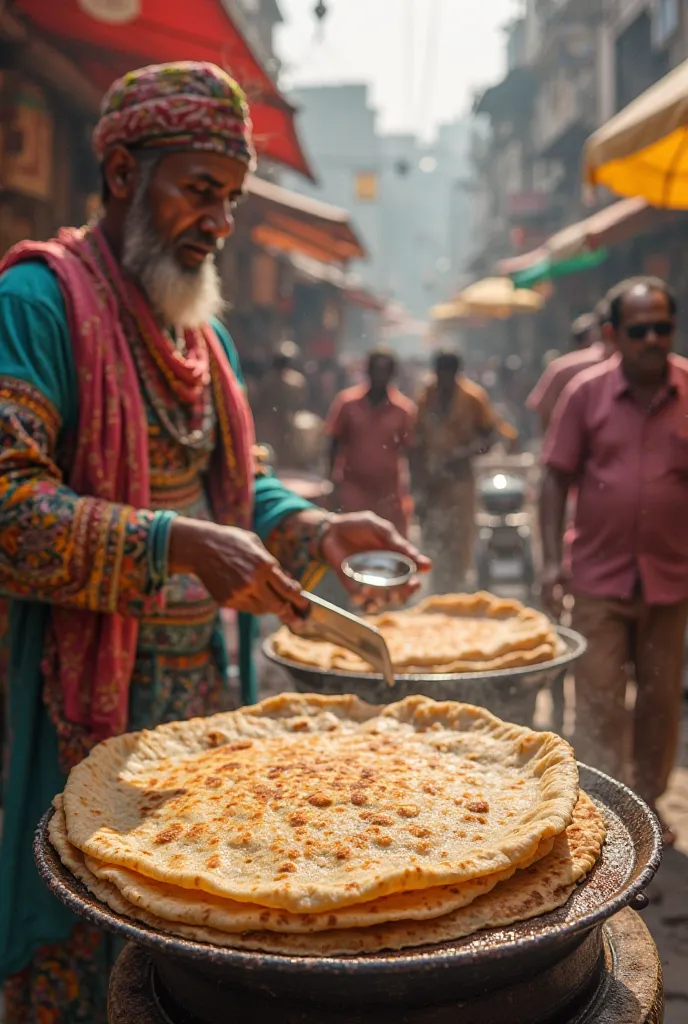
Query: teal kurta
[[181, 659]]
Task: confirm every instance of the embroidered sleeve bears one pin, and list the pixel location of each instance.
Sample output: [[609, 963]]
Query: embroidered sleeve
[[296, 543], [56, 546]]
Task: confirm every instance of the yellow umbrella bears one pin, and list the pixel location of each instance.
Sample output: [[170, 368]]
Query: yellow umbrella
[[447, 311], [497, 298], [643, 150]]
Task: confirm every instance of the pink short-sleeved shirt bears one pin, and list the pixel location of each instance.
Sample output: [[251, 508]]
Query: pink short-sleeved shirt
[[373, 440], [560, 372], [631, 469]]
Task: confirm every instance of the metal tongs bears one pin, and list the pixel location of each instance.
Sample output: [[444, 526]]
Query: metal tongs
[[339, 627]]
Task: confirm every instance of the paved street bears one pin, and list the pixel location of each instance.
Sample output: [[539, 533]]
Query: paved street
[[667, 915]]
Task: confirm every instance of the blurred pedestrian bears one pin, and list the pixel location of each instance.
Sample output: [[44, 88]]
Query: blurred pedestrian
[[621, 432], [455, 423], [584, 332], [282, 393], [594, 329], [371, 429], [597, 347]]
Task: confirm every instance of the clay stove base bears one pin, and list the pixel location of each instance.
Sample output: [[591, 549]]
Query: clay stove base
[[629, 992]]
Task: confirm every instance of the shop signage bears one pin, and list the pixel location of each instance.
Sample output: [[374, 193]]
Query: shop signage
[[366, 187], [27, 155]]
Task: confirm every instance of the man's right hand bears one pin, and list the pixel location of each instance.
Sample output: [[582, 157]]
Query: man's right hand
[[235, 568], [553, 588]]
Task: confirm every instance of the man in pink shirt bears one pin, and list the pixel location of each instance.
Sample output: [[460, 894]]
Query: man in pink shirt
[[591, 346], [371, 429], [590, 327], [620, 433]]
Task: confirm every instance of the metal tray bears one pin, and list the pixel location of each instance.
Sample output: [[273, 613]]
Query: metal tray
[[499, 956], [501, 691]]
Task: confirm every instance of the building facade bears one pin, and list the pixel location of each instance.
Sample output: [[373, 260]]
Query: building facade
[[571, 65], [407, 198], [338, 126]]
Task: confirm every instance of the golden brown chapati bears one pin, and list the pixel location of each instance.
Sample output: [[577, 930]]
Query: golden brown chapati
[[537, 890], [192, 906], [308, 803], [447, 633]]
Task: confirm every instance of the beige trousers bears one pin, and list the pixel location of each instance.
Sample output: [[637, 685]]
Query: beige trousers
[[449, 534], [630, 640]]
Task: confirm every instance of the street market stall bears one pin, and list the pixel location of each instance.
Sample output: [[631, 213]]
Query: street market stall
[[643, 150]]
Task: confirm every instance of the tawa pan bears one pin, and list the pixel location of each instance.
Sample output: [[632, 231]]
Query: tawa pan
[[508, 693], [439, 973]]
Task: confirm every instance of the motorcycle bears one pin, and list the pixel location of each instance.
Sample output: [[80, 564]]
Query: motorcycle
[[504, 553]]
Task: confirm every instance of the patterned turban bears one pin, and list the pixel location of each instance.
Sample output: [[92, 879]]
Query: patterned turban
[[173, 107]]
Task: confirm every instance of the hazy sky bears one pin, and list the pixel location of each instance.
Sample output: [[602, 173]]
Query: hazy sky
[[422, 58]]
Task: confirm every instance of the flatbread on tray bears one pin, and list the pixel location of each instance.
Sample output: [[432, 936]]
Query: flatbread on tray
[[309, 804], [192, 906], [531, 892], [450, 633]]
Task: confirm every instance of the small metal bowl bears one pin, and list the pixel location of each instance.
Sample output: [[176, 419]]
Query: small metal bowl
[[381, 569]]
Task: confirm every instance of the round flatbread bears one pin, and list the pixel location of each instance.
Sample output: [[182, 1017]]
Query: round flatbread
[[447, 633], [531, 892], [192, 906], [310, 803]]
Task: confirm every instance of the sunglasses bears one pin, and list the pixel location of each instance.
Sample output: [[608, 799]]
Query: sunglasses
[[662, 328]]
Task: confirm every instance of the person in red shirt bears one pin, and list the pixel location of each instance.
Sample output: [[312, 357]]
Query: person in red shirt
[[592, 327], [371, 430], [620, 432]]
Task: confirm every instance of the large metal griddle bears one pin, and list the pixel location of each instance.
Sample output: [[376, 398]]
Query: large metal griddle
[[509, 693], [601, 984], [436, 974]]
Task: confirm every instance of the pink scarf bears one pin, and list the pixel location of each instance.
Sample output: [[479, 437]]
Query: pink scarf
[[89, 657]]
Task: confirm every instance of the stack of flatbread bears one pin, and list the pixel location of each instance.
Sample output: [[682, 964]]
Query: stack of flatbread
[[448, 633], [314, 826]]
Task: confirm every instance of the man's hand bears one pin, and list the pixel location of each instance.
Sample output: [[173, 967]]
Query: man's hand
[[553, 588], [364, 531], [235, 568]]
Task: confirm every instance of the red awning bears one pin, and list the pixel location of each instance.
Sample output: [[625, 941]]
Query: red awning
[[364, 299], [165, 30], [614, 224], [517, 264], [313, 270], [293, 223], [609, 226]]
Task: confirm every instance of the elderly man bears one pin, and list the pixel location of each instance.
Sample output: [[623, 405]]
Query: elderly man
[[620, 432], [127, 490]]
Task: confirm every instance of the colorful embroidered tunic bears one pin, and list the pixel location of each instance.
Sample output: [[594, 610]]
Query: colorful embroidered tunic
[[57, 547]]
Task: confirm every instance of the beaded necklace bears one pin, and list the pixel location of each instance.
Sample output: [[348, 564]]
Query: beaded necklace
[[190, 423]]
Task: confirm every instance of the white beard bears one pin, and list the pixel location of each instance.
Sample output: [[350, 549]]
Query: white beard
[[181, 298]]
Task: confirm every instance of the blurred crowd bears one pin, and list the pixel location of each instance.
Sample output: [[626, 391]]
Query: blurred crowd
[[399, 438], [610, 417]]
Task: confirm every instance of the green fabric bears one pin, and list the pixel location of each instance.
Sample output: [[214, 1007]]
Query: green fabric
[[549, 270], [35, 347]]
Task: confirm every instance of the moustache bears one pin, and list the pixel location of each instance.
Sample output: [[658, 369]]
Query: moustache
[[204, 240]]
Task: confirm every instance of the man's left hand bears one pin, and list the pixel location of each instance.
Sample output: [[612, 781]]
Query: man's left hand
[[364, 531]]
